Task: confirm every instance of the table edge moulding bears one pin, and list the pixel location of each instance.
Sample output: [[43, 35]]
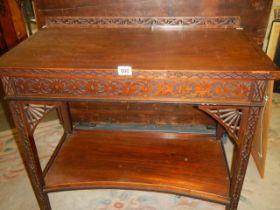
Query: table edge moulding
[[75, 59]]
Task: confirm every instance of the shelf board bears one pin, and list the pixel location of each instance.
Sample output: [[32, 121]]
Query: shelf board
[[186, 164]]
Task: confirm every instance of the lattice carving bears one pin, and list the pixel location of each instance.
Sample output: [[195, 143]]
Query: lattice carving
[[230, 118], [259, 90], [244, 156], [201, 22], [35, 112], [8, 86], [145, 74]]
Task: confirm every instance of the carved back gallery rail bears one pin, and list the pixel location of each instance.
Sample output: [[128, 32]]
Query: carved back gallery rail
[[251, 14], [136, 22]]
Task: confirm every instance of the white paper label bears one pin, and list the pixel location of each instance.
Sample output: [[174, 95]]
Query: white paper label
[[124, 70]]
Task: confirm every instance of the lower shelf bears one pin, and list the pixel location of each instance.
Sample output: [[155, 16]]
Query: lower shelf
[[185, 164]]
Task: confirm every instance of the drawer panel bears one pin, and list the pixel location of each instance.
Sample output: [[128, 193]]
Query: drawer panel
[[195, 90]]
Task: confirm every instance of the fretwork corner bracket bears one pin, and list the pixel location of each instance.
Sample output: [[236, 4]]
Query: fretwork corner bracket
[[35, 113], [228, 117]]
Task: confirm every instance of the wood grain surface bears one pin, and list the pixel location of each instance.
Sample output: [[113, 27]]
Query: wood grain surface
[[167, 162], [143, 49], [137, 113]]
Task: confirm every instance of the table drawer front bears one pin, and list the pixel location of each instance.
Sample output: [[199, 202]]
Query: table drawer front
[[130, 88]]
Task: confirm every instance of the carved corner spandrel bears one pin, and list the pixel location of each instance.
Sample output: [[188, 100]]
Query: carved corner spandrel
[[35, 113], [228, 117]]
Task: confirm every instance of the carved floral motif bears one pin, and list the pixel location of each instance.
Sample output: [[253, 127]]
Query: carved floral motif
[[132, 87]]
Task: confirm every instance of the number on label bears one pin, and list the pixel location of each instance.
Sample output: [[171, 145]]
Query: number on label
[[124, 70]]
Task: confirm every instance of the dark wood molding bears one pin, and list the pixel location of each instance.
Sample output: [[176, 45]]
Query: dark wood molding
[[162, 74]]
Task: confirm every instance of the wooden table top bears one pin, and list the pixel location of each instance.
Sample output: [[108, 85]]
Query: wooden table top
[[143, 49]]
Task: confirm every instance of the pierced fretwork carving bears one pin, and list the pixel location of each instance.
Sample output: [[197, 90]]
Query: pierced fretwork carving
[[259, 90], [230, 118], [8, 86], [242, 159], [35, 112], [199, 22], [174, 74]]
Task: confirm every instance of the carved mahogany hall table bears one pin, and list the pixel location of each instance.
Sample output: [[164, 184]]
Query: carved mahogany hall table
[[72, 65]]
